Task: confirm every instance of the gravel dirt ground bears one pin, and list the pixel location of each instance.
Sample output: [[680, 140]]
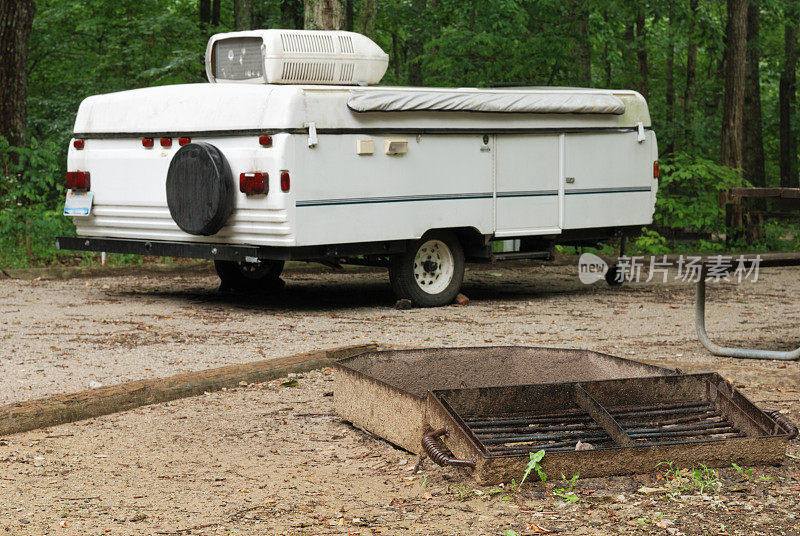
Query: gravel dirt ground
[[274, 459]]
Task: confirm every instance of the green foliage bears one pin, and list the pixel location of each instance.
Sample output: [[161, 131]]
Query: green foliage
[[650, 520], [29, 188], [84, 48], [28, 175], [779, 237], [462, 491], [96, 46], [745, 472], [534, 465], [688, 195], [28, 235], [650, 243], [680, 481], [479, 44], [566, 493]]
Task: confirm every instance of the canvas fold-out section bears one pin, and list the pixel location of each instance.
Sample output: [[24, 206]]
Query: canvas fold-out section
[[487, 101]]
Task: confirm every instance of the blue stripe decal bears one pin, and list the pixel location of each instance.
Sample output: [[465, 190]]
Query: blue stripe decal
[[620, 190], [455, 197], [394, 199], [538, 193]]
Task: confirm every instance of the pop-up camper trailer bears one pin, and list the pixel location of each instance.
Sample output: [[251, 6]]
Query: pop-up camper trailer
[[291, 153]]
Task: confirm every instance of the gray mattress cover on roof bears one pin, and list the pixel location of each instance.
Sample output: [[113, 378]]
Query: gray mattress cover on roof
[[486, 101]]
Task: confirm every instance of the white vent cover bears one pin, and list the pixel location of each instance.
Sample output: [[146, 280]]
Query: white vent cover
[[295, 57]]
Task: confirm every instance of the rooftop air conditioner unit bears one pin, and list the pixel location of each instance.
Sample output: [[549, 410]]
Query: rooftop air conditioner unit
[[295, 57]]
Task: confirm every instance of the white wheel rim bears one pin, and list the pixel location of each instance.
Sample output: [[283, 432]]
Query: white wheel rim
[[433, 266]]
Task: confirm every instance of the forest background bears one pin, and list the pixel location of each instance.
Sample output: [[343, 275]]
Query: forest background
[[720, 78]]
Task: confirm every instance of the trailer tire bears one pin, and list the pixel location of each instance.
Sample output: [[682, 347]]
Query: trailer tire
[[200, 189], [250, 276], [430, 272]]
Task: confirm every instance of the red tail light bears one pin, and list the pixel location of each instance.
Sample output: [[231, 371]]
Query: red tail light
[[184, 141], [266, 141], [655, 169], [286, 182], [78, 144], [253, 183], [166, 142], [78, 180], [147, 142]]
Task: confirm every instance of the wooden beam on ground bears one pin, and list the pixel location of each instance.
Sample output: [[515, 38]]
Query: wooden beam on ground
[[61, 409]]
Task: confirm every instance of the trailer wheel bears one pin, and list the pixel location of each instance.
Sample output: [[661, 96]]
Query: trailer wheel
[[430, 272], [250, 276]]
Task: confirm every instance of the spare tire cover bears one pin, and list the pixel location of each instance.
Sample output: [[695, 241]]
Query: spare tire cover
[[200, 189]]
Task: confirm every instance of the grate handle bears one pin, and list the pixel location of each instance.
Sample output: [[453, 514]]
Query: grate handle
[[783, 422], [435, 452]]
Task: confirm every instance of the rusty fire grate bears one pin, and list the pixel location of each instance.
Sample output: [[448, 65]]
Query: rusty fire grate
[[384, 392], [658, 424], [486, 409], [601, 428]]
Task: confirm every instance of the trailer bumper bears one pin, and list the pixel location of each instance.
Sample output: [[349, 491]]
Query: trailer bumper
[[196, 250], [225, 252]]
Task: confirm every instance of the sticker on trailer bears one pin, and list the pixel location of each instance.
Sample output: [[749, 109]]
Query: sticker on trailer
[[78, 203]]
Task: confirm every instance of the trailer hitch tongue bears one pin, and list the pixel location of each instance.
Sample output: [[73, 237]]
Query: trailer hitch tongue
[[436, 453]]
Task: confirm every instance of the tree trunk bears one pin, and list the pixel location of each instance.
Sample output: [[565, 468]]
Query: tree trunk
[[583, 46], [753, 140], [670, 84], [16, 19], [292, 14], [367, 15], [787, 100], [349, 16], [606, 52], [629, 36], [641, 52], [205, 12], [733, 100], [243, 14], [691, 78], [417, 42], [324, 14], [215, 9]]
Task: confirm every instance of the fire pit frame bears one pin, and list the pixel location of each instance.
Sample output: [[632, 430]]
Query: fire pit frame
[[384, 392]]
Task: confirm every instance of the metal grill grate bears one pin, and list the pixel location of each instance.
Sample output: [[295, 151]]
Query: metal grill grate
[[629, 425], [659, 424]]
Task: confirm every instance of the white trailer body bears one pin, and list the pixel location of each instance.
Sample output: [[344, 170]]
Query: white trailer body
[[354, 173]]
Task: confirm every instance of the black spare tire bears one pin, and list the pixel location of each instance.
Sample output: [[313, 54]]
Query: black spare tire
[[200, 189]]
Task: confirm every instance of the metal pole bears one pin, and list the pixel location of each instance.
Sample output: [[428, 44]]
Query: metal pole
[[741, 353]]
